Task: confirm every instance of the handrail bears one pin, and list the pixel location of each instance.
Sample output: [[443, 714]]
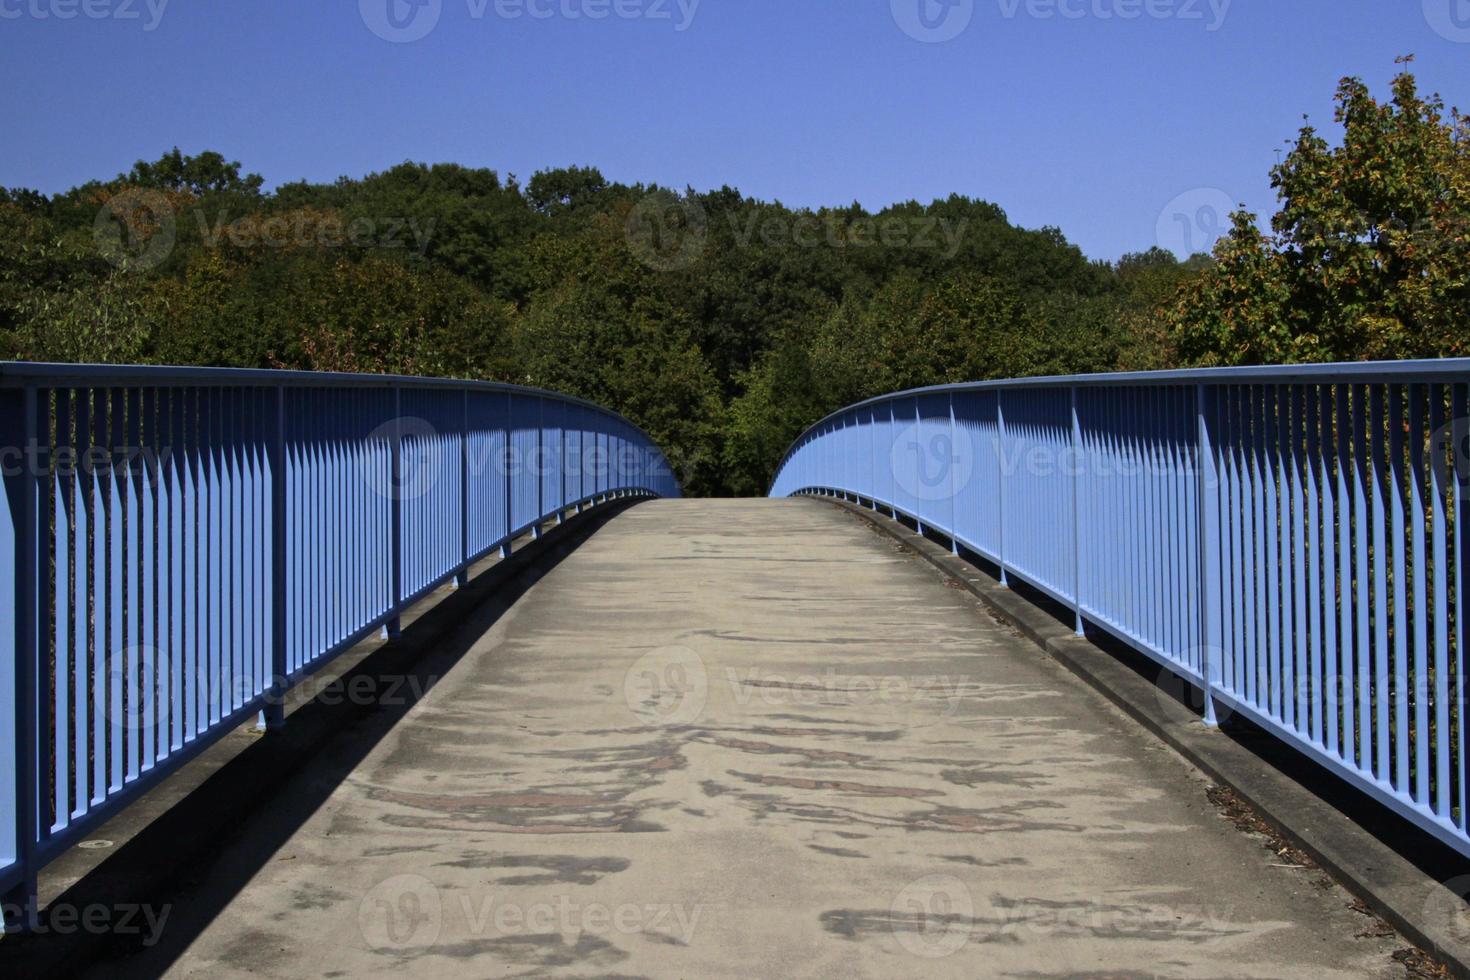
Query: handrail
[[1288, 540], [19, 374], [1363, 372], [180, 546]]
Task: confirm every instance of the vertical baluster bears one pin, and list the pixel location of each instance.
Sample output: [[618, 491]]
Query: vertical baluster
[[1076, 484], [1168, 521], [81, 593], [506, 465], [1418, 686], [1293, 632], [1186, 545], [395, 484], [537, 462], [191, 644], [1327, 596], [63, 623], [1312, 683], [130, 648], [1142, 575], [1229, 561], [464, 487], [1439, 565], [280, 563], [217, 621], [1460, 448], [252, 507], [1000, 482], [358, 558], [1400, 590], [21, 531], [1239, 645], [236, 554], [1169, 430], [1355, 681], [116, 674], [1250, 545], [1271, 540], [1208, 501], [169, 578], [1375, 420], [148, 559], [1153, 525]]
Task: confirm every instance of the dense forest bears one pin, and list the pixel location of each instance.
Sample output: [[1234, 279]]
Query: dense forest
[[720, 323]]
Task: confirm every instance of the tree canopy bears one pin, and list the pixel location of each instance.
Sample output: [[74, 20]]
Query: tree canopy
[[1369, 251]]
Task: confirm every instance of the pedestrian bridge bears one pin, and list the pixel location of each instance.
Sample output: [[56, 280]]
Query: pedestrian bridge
[[690, 738]]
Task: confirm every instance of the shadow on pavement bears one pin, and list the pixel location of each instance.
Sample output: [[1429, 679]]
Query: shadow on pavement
[[191, 861]]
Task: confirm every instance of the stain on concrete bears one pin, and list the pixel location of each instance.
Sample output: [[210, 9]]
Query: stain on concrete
[[556, 868], [974, 862], [839, 786], [857, 925], [543, 951]]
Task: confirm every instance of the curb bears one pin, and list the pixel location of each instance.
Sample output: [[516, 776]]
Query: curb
[[1392, 885]]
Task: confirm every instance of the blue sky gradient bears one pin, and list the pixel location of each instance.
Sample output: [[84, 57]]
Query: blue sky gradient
[[1064, 112]]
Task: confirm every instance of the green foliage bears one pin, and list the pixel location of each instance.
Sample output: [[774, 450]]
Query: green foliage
[[208, 173], [767, 318], [556, 193], [1370, 256]]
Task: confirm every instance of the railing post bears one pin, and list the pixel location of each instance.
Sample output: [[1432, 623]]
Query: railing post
[[1000, 486], [561, 466], [20, 912], [394, 626], [275, 706], [1208, 501], [1077, 518], [505, 464], [919, 435], [538, 460], [463, 578], [954, 489]]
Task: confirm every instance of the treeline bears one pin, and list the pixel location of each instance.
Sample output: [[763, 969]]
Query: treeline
[[720, 323]]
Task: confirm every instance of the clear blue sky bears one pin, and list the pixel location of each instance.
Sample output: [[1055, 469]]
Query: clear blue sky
[[1091, 123]]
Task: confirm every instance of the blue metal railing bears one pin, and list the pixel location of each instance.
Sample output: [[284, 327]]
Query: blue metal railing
[[1290, 540], [179, 546]]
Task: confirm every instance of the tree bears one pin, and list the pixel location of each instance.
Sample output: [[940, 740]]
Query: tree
[[207, 173], [555, 193], [1370, 256]]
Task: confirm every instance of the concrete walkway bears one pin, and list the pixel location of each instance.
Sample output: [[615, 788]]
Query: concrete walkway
[[753, 739]]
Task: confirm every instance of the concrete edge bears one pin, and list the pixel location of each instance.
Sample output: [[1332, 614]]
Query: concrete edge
[[1410, 900], [237, 774]]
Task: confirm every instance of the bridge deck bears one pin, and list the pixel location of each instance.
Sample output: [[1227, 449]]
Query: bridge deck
[[751, 738]]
